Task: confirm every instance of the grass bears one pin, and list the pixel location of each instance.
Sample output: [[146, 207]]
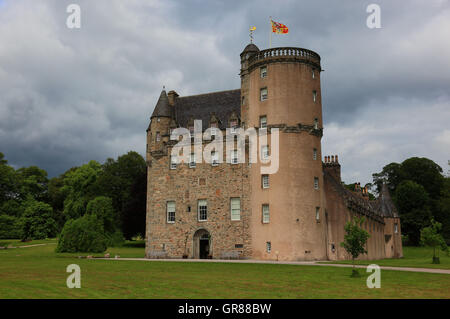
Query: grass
[[39, 272], [415, 257]]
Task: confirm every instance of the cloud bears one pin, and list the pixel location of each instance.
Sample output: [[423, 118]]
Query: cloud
[[68, 96]]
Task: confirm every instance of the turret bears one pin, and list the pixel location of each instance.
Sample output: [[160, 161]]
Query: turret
[[159, 127]]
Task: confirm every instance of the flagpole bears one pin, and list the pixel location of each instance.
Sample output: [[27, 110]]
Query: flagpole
[[270, 33]]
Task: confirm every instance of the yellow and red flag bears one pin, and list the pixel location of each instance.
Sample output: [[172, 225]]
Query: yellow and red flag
[[279, 27]]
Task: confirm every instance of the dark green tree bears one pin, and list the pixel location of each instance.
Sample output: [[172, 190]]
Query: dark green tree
[[37, 221], [412, 202], [355, 240], [32, 181]]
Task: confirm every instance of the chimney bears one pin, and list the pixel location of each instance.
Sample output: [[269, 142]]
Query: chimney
[[332, 166], [172, 95]]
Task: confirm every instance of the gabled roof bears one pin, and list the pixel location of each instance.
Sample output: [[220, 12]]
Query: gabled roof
[[162, 108], [200, 107]]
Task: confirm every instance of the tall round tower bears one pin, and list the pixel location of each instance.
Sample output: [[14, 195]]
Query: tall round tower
[[280, 88]]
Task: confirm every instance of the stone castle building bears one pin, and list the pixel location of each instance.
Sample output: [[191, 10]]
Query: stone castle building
[[231, 210]]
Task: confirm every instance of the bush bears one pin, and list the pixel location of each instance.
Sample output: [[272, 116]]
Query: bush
[[84, 234], [10, 227], [102, 208], [37, 221]]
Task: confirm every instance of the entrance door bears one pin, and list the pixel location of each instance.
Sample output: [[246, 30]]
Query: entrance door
[[204, 246], [202, 240]]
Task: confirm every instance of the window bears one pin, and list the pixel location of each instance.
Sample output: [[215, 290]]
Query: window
[[263, 94], [265, 181], [234, 157], [314, 153], [191, 130], [235, 209], [313, 74], [317, 214], [265, 152], [214, 158], [395, 228], [202, 210], [316, 183], [314, 96], [265, 213], [192, 163], [173, 162], [158, 136], [171, 212], [263, 72], [263, 122], [213, 129], [233, 125], [268, 246], [316, 124]]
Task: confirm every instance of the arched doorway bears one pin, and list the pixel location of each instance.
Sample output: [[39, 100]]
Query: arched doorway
[[202, 244]]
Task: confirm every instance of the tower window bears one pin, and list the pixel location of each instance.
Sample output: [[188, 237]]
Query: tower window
[[265, 214], [192, 163], [265, 152], [265, 181], [214, 158], [263, 94], [202, 210], [263, 122], [395, 228], [317, 214], [235, 209], [158, 136], [316, 183], [234, 157], [173, 162], [314, 96], [263, 72], [316, 124], [313, 74], [314, 153], [171, 212], [268, 246]]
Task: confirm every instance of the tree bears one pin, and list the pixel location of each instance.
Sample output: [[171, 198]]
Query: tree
[[391, 175], [80, 186], [8, 185], [32, 181], [125, 181], [102, 208], [430, 236], [10, 227], [84, 234], [412, 202], [355, 239], [37, 221]]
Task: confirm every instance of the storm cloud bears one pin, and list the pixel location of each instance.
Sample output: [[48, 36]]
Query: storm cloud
[[71, 95]]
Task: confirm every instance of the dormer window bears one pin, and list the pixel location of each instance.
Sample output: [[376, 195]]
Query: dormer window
[[213, 129], [263, 72], [233, 125], [191, 130], [263, 94], [263, 122]]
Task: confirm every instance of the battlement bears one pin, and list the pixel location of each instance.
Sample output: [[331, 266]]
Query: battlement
[[284, 54]]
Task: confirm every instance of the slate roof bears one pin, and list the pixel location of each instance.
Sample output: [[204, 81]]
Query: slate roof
[[385, 204], [162, 108], [201, 107]]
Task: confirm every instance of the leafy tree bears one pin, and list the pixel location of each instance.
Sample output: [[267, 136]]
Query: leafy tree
[[10, 227], [443, 214], [125, 181], [391, 175], [80, 185], [102, 207], [355, 239], [413, 205], [84, 234], [37, 221], [430, 236], [8, 185], [32, 181]]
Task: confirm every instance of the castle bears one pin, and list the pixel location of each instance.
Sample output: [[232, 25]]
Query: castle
[[231, 210]]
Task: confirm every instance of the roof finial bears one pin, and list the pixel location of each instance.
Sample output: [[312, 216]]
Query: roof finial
[[164, 87]]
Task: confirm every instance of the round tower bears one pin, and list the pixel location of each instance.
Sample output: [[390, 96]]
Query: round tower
[[280, 88]]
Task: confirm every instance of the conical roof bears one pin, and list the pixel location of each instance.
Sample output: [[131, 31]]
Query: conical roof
[[162, 108], [250, 48]]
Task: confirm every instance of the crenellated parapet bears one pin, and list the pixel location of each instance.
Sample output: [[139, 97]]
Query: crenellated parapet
[[284, 54]]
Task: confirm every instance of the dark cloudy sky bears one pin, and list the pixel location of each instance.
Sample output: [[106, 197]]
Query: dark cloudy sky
[[71, 95]]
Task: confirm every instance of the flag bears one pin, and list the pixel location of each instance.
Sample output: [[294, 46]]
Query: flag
[[252, 28], [278, 27]]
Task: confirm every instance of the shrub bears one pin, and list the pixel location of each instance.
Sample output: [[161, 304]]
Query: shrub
[[10, 227], [84, 234]]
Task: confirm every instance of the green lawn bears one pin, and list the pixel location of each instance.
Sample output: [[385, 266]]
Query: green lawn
[[416, 257], [38, 272]]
